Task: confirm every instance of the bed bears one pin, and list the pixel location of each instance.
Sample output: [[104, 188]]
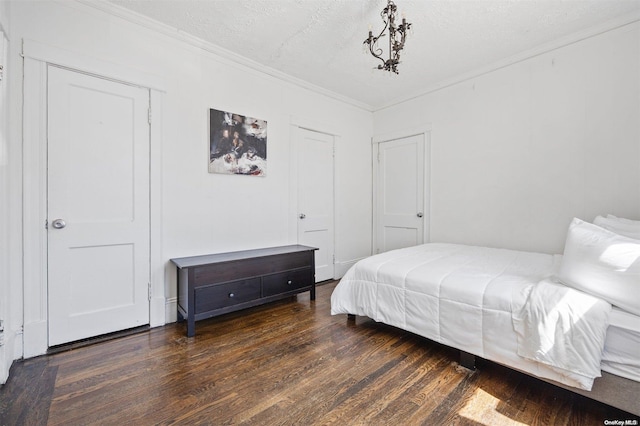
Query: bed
[[541, 314]]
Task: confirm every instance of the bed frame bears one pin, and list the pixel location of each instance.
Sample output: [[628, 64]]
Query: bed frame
[[619, 392]]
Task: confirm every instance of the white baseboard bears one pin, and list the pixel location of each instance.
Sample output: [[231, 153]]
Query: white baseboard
[[9, 352], [35, 339], [341, 268], [158, 314], [4, 371], [171, 310]]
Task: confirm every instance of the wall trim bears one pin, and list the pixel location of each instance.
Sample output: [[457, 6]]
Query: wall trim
[[89, 65], [5, 30], [4, 91], [399, 134], [314, 125], [344, 266], [34, 208], [157, 315], [7, 336], [171, 309]]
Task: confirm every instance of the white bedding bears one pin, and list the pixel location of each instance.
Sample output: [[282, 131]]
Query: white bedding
[[563, 328], [621, 349], [460, 296]]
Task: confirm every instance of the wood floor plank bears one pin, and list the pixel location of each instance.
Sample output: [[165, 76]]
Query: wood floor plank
[[286, 363], [26, 397]]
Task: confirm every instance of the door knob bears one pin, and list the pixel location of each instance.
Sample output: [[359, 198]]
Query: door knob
[[302, 216], [419, 214], [58, 224]]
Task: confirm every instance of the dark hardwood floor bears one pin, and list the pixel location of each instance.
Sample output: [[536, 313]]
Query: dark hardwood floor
[[289, 362]]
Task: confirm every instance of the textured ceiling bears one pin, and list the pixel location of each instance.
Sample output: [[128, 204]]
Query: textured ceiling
[[320, 41]]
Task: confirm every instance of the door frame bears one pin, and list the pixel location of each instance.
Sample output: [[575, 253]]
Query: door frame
[[297, 123], [376, 140], [37, 57]]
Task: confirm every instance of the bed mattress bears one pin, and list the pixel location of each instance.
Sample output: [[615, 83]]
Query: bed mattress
[[621, 355], [462, 296]]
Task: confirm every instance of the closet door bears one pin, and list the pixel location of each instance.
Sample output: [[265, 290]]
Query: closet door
[[315, 198], [399, 210], [98, 206]]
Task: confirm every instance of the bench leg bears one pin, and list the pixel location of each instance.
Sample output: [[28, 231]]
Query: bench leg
[[191, 326], [467, 360]]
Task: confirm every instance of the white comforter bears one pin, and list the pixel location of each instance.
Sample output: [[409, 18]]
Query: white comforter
[[460, 296], [563, 328]]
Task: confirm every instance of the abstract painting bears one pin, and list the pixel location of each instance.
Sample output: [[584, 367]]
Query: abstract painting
[[237, 144]]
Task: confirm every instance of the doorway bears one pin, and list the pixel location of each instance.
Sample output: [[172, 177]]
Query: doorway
[[399, 193], [316, 198], [98, 227]]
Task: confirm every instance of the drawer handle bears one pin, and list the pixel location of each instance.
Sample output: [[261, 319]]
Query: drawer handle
[[231, 295], [289, 282]]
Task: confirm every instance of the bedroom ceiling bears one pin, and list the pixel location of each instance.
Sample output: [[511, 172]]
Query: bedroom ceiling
[[320, 41]]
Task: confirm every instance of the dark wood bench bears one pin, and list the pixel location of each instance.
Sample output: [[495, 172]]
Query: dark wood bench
[[216, 284]]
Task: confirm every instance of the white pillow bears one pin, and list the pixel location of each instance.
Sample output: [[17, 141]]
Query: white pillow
[[620, 226], [635, 223], [602, 263]]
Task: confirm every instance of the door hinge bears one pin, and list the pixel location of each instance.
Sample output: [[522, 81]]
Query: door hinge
[[149, 115], [149, 291], [46, 224], [1, 72]]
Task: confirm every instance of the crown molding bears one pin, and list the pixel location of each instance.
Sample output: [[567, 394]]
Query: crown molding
[[611, 25], [234, 59], [220, 53]]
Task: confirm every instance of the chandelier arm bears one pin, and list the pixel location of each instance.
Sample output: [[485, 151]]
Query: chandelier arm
[[373, 42], [379, 56], [376, 55]]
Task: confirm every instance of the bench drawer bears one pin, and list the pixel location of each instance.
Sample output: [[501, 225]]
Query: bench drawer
[[222, 295], [247, 268], [286, 281]]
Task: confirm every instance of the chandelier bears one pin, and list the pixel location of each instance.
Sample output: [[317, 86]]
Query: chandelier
[[397, 36]]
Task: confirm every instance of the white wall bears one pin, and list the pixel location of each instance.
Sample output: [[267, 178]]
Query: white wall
[[202, 212], [516, 153]]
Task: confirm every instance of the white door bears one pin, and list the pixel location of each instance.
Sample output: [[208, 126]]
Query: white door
[[315, 198], [98, 206], [400, 193]]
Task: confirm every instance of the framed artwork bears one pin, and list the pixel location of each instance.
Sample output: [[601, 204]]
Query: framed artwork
[[237, 144]]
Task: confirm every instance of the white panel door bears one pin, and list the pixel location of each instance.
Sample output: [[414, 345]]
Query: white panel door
[[400, 193], [98, 206], [315, 198]]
